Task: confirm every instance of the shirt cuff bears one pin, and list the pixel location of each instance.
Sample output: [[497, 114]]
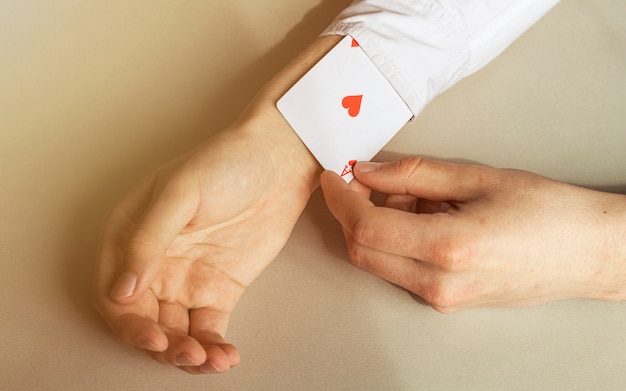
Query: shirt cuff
[[424, 47]]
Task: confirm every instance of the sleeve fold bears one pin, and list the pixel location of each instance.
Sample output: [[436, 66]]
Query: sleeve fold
[[424, 47]]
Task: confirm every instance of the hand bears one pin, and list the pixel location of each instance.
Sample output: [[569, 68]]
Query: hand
[[179, 250], [463, 236]]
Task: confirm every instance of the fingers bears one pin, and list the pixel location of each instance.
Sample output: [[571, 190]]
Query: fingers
[[400, 247], [145, 250], [174, 316], [441, 290], [191, 340], [403, 202], [429, 179], [388, 230], [201, 349], [207, 326], [183, 350], [140, 332], [359, 188], [402, 271], [345, 203], [133, 323]]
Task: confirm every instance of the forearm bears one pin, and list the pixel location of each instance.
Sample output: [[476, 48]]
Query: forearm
[[611, 254], [422, 49]]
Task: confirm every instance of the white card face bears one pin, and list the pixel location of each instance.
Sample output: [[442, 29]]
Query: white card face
[[343, 109]]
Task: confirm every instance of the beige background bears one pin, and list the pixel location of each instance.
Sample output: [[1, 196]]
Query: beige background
[[94, 94]]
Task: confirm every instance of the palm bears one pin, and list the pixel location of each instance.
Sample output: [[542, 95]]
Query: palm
[[234, 219], [209, 266]]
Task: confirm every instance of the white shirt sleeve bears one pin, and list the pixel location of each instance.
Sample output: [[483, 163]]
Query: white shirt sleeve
[[424, 47]]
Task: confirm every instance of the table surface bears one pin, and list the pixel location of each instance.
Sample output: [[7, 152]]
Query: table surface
[[93, 95]]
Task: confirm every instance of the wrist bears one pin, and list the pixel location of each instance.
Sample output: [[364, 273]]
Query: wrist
[[295, 165], [295, 169]]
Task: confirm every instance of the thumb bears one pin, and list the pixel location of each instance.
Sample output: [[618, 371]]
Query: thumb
[[430, 179], [146, 247]]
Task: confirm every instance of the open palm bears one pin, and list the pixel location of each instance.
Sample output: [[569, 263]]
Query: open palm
[[179, 250]]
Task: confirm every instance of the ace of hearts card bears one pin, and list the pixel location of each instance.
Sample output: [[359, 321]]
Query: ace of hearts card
[[344, 109]]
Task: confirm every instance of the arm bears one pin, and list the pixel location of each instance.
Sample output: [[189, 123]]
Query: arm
[[179, 250], [508, 238]]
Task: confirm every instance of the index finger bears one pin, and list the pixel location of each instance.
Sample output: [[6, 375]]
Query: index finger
[[385, 229], [430, 179]]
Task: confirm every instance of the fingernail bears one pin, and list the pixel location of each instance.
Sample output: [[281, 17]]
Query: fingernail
[[125, 286], [214, 367], [234, 358], [210, 368], [183, 360], [367, 166], [148, 345]]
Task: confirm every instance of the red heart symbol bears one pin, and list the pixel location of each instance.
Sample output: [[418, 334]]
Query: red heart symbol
[[353, 104]]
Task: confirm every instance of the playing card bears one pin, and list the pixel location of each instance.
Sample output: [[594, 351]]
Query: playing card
[[344, 109]]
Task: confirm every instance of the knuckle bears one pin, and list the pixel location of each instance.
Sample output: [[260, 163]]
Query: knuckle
[[454, 255], [362, 228], [495, 180], [448, 293], [139, 238], [437, 294], [357, 255], [445, 310], [444, 294], [407, 166], [465, 249], [137, 246]]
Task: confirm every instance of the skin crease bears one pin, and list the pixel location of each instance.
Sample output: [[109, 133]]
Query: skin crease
[[508, 238], [179, 250], [187, 289]]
